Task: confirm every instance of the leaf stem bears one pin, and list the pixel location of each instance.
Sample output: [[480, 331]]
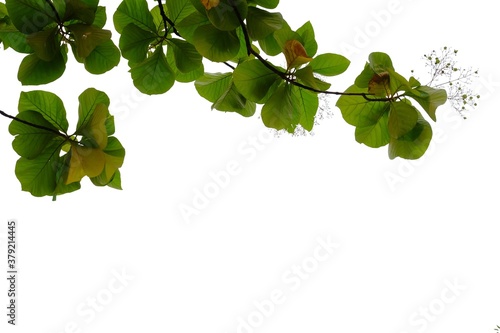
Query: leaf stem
[[58, 18]]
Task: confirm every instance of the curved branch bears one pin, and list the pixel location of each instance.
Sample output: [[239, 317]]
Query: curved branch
[[33, 125], [284, 76]]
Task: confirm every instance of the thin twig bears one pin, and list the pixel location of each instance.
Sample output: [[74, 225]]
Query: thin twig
[[34, 125], [167, 20], [58, 18]]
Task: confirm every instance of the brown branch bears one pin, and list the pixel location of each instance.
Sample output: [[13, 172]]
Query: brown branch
[[34, 125], [285, 76]]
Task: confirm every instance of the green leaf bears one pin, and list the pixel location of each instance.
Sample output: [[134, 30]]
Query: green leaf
[[100, 17], [429, 98], [88, 37], [254, 80], [35, 71], [279, 111], [374, 132], [308, 38], [11, 37], [114, 155], [380, 62], [45, 44], [219, 89], [306, 76], [61, 175], [39, 175], [81, 10], [103, 58], [270, 46], [29, 141], [306, 104], [402, 118], [270, 4], [133, 11], [414, 144], [48, 105], [154, 75], [180, 76], [187, 26], [179, 9], [358, 111], [285, 34], [212, 85], [329, 64], [233, 101], [261, 23], [115, 181], [134, 43], [224, 17], [187, 59], [30, 16], [414, 82], [216, 45], [88, 101]]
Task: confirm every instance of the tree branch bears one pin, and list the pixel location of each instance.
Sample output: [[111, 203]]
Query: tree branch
[[285, 76], [33, 125], [167, 20]]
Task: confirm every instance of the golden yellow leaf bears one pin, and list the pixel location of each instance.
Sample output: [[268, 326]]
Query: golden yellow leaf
[[97, 128], [113, 163], [209, 4], [295, 54], [85, 161]]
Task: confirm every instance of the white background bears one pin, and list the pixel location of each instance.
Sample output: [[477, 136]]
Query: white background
[[400, 245]]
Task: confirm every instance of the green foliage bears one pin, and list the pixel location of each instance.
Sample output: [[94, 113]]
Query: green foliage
[[168, 43], [384, 115], [44, 29], [51, 161]]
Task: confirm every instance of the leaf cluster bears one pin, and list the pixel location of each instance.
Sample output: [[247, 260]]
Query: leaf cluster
[[53, 162], [45, 30], [393, 120], [168, 43]]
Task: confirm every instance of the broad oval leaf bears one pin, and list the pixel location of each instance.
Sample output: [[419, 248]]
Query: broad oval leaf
[[329, 64], [216, 45], [187, 59], [154, 75], [254, 80], [103, 58], [306, 104], [45, 43], [30, 16], [261, 23], [414, 144], [88, 102], [279, 111], [29, 141], [39, 175], [134, 43], [48, 105], [402, 118], [133, 11], [35, 71]]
